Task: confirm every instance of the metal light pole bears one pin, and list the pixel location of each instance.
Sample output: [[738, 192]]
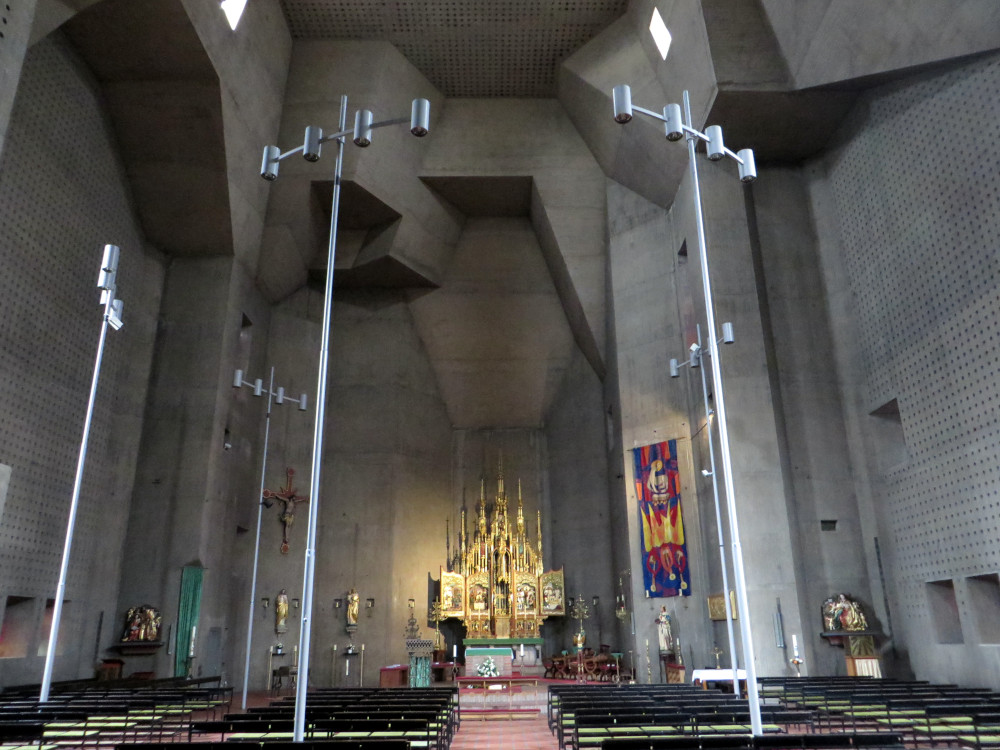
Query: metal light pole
[[113, 317], [697, 360], [310, 149], [258, 386], [675, 129]]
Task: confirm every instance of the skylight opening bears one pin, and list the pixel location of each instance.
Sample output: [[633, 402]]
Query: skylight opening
[[234, 11], [661, 35]]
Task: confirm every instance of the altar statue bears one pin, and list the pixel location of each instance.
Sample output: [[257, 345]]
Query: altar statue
[[843, 613], [281, 612], [142, 624], [663, 630], [353, 603]]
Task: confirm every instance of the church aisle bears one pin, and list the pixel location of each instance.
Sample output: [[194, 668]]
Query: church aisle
[[518, 734]]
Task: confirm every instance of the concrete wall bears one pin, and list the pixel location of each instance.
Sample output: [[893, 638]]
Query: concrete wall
[[582, 537], [815, 457], [908, 230], [64, 195]]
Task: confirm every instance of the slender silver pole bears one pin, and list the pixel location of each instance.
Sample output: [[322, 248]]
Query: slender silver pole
[[301, 686], [727, 464], [256, 548], [50, 654], [733, 661]]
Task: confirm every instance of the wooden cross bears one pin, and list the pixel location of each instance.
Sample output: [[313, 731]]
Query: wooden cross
[[288, 496]]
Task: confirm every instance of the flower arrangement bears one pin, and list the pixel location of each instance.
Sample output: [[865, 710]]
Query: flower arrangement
[[488, 668]]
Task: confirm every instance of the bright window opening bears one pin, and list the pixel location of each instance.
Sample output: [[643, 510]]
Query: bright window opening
[[660, 33], [234, 11]]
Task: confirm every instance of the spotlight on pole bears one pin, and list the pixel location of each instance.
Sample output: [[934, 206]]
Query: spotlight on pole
[[312, 146], [716, 148], [420, 117], [269, 165], [672, 122], [363, 128], [748, 166], [622, 97]]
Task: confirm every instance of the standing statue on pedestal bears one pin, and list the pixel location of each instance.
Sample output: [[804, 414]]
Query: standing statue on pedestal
[[663, 630], [353, 603], [281, 613]]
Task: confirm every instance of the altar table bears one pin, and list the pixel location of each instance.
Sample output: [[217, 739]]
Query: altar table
[[705, 676]]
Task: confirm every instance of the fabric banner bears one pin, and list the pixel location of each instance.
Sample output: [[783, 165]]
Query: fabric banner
[[658, 491]]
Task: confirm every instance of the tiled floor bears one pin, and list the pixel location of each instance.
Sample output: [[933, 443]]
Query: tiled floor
[[520, 734]]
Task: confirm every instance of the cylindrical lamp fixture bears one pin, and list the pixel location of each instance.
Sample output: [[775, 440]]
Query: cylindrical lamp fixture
[[716, 148], [269, 164], [312, 148], [673, 125], [748, 167], [109, 267], [363, 127], [622, 97], [420, 117]]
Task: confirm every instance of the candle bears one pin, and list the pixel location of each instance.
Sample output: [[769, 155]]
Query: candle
[[454, 651], [522, 650], [194, 628], [795, 646]]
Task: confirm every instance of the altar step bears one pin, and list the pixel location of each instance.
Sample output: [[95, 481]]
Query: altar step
[[499, 714]]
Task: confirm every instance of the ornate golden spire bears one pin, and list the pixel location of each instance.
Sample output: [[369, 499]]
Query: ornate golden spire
[[520, 510], [538, 527]]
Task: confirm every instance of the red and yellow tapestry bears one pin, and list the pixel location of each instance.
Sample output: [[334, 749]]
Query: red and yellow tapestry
[[658, 490]]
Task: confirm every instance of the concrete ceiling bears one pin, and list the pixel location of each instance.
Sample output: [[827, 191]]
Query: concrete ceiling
[[465, 47]]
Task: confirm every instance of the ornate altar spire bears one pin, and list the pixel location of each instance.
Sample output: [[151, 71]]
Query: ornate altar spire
[[499, 569], [538, 526]]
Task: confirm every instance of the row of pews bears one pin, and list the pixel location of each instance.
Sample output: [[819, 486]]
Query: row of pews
[[797, 714], [198, 718], [106, 713], [925, 714], [368, 718]]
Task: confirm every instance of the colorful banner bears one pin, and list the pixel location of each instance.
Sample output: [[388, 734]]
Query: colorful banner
[[658, 491]]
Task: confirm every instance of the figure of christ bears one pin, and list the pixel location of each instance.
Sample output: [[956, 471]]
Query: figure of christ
[[288, 496]]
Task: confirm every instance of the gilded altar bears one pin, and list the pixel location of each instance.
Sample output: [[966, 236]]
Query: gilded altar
[[496, 582]]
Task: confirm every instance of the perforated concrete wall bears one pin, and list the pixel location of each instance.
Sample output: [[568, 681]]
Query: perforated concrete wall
[[62, 196], [917, 196]]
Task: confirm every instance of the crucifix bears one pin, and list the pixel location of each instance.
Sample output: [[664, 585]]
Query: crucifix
[[288, 496]]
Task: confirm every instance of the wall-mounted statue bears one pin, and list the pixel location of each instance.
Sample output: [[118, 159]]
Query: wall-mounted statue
[[353, 605], [281, 613], [142, 623], [663, 634], [843, 613]]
